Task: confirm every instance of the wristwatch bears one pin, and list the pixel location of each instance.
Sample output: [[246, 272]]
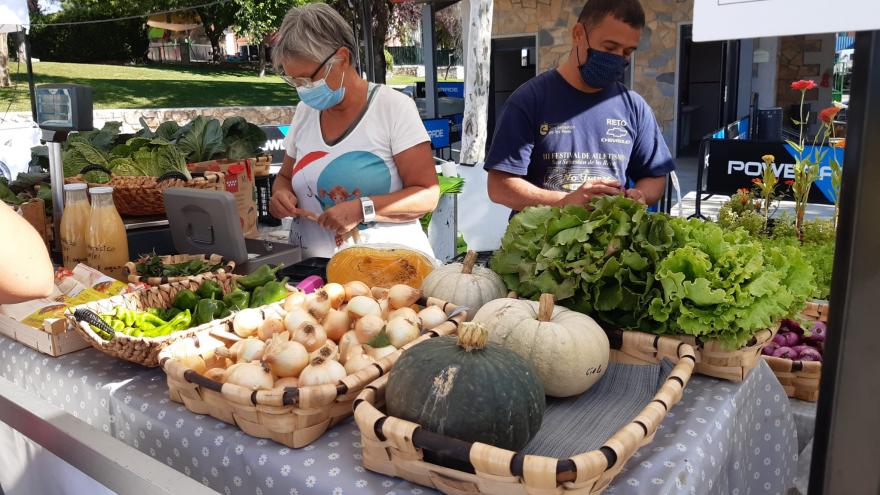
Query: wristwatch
[[368, 209]]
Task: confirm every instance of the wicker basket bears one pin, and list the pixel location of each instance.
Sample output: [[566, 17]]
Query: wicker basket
[[816, 310], [800, 379], [294, 417], [142, 196], [143, 350], [395, 447], [215, 259], [716, 361]]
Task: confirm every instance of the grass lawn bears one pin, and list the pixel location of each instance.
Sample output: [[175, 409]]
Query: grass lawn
[[158, 86]]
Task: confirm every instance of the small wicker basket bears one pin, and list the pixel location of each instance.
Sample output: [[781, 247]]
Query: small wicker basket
[[215, 259], [800, 379], [143, 350], [396, 447], [294, 416]]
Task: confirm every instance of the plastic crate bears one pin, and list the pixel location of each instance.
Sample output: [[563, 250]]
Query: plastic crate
[[264, 195]]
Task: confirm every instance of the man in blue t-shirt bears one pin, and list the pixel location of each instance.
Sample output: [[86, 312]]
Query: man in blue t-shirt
[[577, 132]]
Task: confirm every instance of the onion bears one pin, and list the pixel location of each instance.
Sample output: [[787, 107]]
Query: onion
[[246, 322], [284, 357], [321, 372], [193, 362], [348, 342], [336, 324], [432, 317], [401, 296], [356, 288], [297, 317], [385, 308], [407, 313], [251, 376], [379, 293], [368, 327], [379, 353], [357, 363], [215, 374], [327, 351], [310, 335], [361, 306], [290, 381], [336, 293], [294, 300], [270, 327], [318, 304], [247, 350], [401, 331]]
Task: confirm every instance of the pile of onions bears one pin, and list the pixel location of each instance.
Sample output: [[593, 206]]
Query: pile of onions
[[318, 338]]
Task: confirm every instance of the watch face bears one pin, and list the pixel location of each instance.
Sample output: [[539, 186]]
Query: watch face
[[369, 209]]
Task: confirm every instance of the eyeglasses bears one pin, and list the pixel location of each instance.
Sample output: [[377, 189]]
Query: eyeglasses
[[306, 82]]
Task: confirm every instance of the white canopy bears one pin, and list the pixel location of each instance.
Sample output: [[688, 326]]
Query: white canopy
[[14, 16]]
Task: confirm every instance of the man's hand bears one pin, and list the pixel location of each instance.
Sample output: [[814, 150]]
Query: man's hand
[[591, 189], [343, 217], [636, 195]]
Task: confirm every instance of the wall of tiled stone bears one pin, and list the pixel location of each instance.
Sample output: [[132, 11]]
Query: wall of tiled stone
[[654, 69]]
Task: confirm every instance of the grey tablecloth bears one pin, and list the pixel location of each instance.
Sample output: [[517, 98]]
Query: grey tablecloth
[[722, 438]]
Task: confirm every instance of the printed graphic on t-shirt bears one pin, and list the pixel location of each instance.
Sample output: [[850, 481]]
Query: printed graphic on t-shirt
[[571, 158]]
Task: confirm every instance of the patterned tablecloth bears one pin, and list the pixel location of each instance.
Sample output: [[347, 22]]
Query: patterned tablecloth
[[722, 438]]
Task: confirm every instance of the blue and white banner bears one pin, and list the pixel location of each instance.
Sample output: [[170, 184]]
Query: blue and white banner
[[438, 130], [275, 135], [452, 89]]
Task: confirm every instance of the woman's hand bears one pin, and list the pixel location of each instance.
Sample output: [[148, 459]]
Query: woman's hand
[[343, 217], [283, 204]]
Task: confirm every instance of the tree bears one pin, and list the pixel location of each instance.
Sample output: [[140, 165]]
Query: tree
[[259, 19], [216, 18], [380, 15], [4, 62]]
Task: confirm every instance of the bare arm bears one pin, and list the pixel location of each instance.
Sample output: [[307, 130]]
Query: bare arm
[[652, 189], [25, 268], [517, 193], [420, 192]]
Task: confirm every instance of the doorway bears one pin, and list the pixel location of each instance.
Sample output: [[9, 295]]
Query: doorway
[[708, 77], [513, 62]]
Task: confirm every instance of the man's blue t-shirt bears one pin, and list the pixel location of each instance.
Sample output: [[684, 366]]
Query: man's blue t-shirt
[[558, 137]]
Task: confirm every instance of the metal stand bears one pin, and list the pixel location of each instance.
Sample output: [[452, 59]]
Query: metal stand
[[847, 446], [56, 176], [429, 50], [702, 163]]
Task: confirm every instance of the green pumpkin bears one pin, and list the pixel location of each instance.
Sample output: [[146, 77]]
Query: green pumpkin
[[467, 389]]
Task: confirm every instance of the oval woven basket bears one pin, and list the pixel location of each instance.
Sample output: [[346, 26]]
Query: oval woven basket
[[396, 447], [294, 416], [215, 259], [800, 379], [143, 350], [142, 196]]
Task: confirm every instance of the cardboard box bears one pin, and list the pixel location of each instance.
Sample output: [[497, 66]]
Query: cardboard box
[[56, 338], [34, 212], [239, 177]]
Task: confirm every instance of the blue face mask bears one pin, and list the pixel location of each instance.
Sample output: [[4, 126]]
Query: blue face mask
[[602, 69], [319, 96]]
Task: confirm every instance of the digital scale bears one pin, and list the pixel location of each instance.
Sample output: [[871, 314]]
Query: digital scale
[[206, 222]]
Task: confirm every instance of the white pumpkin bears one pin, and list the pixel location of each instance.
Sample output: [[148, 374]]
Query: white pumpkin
[[569, 350], [464, 284]]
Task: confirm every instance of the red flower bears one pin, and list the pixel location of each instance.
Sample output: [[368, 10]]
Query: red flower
[[828, 115], [742, 190], [757, 181], [789, 183], [804, 85]]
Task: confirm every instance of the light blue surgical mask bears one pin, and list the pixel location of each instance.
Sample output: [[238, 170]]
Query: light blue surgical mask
[[319, 95]]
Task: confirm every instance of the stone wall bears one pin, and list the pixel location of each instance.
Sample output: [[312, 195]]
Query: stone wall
[[654, 70], [130, 118]]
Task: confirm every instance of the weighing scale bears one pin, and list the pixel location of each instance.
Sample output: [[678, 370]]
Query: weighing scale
[[206, 222]]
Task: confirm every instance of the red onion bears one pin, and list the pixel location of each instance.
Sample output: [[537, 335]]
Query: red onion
[[785, 352]]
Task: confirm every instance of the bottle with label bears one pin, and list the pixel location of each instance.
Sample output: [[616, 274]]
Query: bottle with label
[[74, 227], [107, 241]]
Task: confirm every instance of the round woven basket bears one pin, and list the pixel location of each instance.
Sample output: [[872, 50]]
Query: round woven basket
[[142, 196], [144, 350], [215, 259]]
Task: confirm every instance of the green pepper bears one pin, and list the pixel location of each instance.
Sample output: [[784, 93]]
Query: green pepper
[[210, 290], [261, 276], [237, 299], [117, 325], [101, 333], [180, 322], [169, 314], [148, 321], [185, 300], [126, 315], [156, 311], [207, 310], [136, 332], [269, 293], [223, 314]]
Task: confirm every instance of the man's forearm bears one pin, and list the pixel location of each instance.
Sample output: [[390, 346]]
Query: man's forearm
[[518, 194], [652, 187]]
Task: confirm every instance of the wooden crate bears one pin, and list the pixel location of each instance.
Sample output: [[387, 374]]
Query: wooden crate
[[56, 338], [800, 379]]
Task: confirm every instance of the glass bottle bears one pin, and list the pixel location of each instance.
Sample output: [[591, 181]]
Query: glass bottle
[[107, 239], [74, 225]]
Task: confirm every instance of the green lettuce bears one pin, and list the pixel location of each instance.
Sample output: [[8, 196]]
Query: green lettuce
[[201, 139], [241, 138]]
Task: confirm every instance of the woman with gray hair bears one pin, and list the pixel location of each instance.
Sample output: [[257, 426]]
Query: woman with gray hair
[[358, 164]]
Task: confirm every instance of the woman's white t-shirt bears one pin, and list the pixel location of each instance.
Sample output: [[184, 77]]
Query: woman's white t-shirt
[[359, 164]]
